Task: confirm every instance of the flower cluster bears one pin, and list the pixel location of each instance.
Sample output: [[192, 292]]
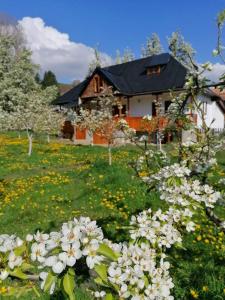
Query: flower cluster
[[136, 275], [160, 229], [8, 245], [176, 187], [77, 238], [200, 157]]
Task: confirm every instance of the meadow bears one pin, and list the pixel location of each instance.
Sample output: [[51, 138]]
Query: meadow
[[60, 181]]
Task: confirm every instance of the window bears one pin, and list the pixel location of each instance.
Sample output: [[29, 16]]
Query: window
[[117, 112], [153, 70], [167, 104]]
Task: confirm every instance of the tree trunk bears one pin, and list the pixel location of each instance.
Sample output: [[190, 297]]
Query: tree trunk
[[74, 134], [19, 135], [92, 138], [110, 154], [48, 138], [159, 141], [160, 144], [30, 139]]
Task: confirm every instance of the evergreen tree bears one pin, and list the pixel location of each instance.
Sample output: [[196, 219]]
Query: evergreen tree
[[49, 79], [38, 78], [153, 46], [181, 49]]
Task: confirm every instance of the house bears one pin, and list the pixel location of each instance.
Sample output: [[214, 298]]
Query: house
[[139, 84]]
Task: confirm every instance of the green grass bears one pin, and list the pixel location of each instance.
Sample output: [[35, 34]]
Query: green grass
[[59, 182]]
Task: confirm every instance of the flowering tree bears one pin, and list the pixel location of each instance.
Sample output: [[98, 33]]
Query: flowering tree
[[24, 104], [153, 46], [34, 114], [99, 120], [181, 49], [155, 124], [51, 121]]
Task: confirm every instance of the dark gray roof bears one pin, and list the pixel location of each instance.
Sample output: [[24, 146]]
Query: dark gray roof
[[131, 78]]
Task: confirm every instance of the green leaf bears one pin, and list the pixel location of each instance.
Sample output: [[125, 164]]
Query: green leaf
[[71, 272], [69, 284], [146, 281], [101, 270], [107, 252], [99, 281], [26, 267], [20, 250], [109, 297], [49, 281], [18, 273], [36, 291]]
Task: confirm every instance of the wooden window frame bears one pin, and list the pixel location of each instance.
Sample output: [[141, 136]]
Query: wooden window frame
[[153, 70]]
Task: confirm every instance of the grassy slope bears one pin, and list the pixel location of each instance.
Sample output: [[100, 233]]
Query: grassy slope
[[60, 181]]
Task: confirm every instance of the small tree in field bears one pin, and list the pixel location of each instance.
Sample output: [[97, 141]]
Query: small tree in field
[[31, 113], [100, 120], [50, 122], [149, 125], [154, 124], [23, 102]]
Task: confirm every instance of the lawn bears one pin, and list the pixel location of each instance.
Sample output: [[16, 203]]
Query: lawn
[[60, 181]]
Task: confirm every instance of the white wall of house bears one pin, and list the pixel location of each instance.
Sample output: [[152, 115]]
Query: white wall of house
[[214, 116], [142, 105]]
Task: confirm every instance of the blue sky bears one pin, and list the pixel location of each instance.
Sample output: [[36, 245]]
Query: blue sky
[[115, 24]]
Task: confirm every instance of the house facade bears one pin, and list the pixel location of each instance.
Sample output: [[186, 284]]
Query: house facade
[[139, 84]]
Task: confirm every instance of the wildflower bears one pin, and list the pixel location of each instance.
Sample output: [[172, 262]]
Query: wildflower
[[194, 294]]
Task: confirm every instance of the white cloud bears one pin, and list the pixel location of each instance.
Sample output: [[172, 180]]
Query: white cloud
[[217, 71], [54, 50]]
